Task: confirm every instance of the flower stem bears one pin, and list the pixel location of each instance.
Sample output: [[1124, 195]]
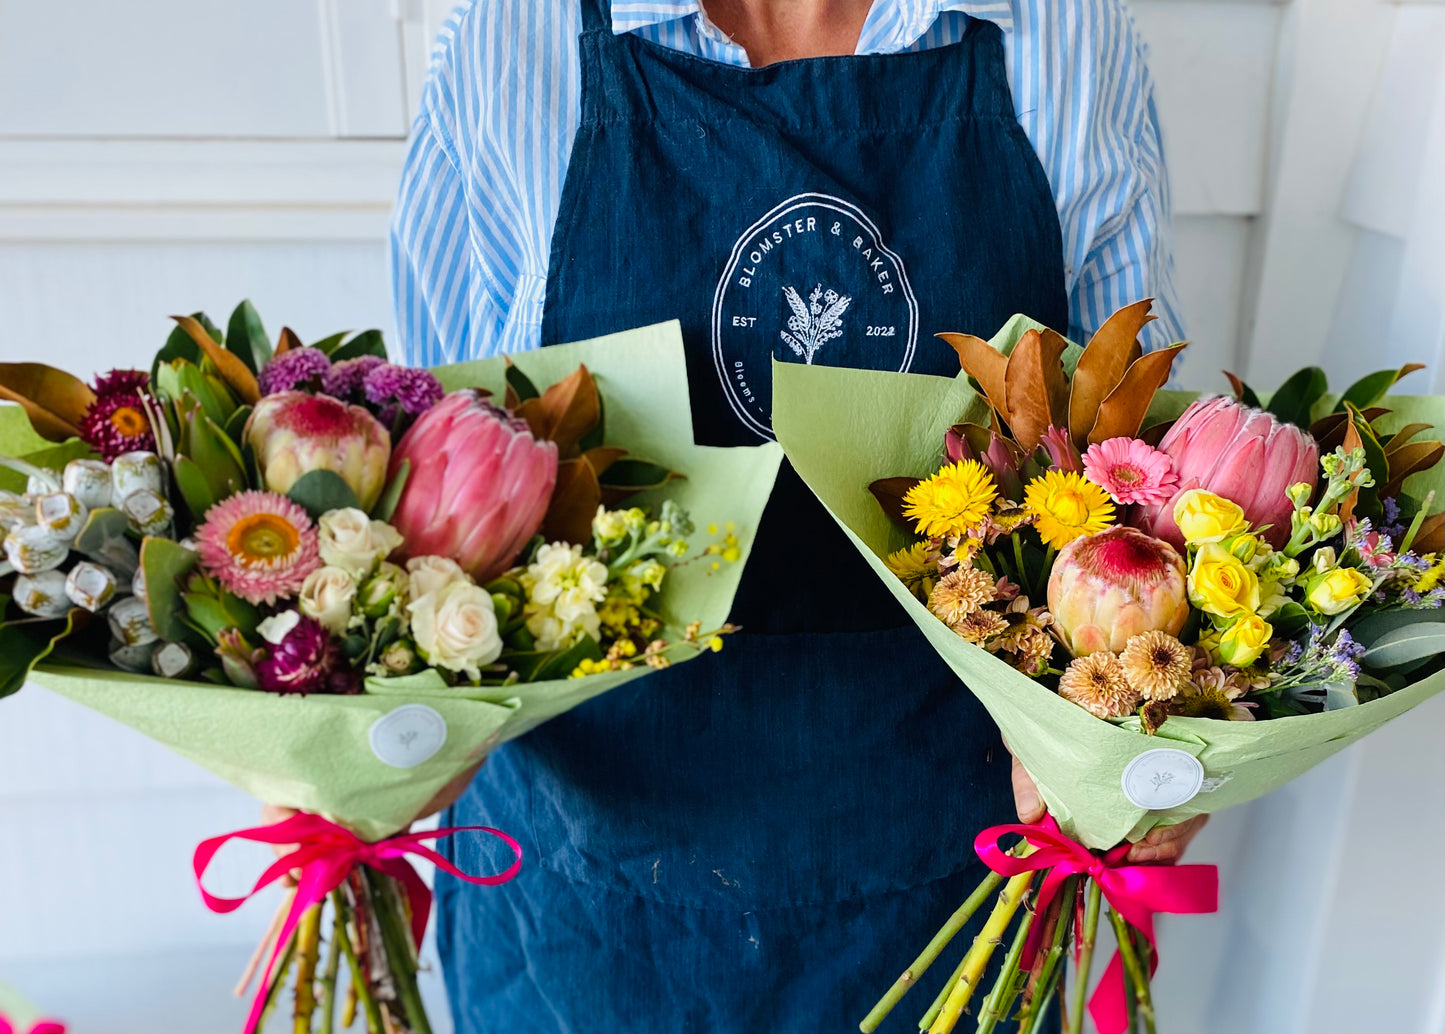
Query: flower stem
[[328, 978], [926, 958], [981, 951], [1008, 984], [1138, 976], [360, 982], [937, 1007], [1045, 975], [390, 911], [1092, 896], [278, 977], [308, 948]]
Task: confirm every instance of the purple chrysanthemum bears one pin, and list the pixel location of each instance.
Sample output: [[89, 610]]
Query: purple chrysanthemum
[[344, 379], [401, 390], [300, 368], [116, 421], [306, 660]]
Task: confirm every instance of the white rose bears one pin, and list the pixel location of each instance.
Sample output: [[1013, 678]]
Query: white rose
[[353, 541], [456, 628], [327, 595], [429, 574]]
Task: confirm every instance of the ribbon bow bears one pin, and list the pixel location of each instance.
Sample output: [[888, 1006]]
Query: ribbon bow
[[38, 1027], [1136, 892], [325, 854]]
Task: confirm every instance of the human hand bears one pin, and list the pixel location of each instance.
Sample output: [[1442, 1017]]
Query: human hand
[[1164, 845]]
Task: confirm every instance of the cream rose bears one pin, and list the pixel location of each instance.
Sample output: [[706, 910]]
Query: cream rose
[[327, 595], [354, 542], [456, 628], [429, 574]]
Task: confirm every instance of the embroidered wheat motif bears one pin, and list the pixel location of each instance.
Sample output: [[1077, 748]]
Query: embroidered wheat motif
[[815, 322]]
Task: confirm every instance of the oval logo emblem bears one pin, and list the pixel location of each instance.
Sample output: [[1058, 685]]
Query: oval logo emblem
[[408, 735], [812, 281], [1162, 778]]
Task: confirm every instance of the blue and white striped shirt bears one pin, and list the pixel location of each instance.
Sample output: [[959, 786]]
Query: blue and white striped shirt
[[472, 229]]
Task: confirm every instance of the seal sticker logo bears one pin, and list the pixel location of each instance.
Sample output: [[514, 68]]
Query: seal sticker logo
[[813, 282]]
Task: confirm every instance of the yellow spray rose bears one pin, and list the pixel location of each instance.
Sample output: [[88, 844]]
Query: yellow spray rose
[[1205, 517], [1221, 585], [1242, 642], [1337, 591]]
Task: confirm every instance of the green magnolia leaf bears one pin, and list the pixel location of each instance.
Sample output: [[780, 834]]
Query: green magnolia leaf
[[635, 475], [391, 494], [246, 338], [328, 344], [368, 342], [595, 438], [1405, 645], [1369, 504], [180, 345], [319, 491], [166, 563], [1371, 388], [521, 384], [24, 644], [1297, 396], [1243, 392]]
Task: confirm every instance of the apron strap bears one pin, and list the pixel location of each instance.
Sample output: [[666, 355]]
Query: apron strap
[[596, 14]]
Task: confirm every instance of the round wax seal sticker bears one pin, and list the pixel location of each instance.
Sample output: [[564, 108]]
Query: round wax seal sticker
[[1163, 778], [406, 736]]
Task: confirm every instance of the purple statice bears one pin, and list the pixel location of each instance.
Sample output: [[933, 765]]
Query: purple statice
[[306, 660], [1392, 525], [301, 369], [1344, 655], [401, 391], [344, 379]]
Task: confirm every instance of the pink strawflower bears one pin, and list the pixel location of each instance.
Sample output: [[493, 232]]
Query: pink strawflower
[[260, 546], [301, 368], [1130, 471], [116, 421]]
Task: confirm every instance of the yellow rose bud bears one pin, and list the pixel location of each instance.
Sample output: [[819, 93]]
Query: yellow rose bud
[[1222, 586], [1242, 642], [1337, 591], [1244, 547], [1205, 517]]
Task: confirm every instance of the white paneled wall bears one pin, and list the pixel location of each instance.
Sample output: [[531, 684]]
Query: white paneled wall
[[164, 156]]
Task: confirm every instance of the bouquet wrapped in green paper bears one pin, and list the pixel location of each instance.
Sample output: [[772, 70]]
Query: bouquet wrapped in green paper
[[338, 583], [1117, 571]]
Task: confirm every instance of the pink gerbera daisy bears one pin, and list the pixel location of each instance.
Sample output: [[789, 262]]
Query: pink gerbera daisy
[[1131, 471], [259, 546]]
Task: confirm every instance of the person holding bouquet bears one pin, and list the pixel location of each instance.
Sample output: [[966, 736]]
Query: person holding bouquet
[[820, 181]]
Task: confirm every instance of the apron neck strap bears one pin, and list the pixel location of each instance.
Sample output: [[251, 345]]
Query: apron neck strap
[[596, 14]]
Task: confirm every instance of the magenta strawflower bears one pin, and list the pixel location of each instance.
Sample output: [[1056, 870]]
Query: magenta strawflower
[[116, 421], [1131, 471], [306, 660], [344, 379], [394, 390], [301, 368], [259, 546]]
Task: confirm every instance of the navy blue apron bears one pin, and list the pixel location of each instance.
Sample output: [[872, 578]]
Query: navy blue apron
[[761, 839]]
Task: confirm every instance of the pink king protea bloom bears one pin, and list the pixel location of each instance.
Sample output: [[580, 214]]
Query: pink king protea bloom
[[294, 433], [1108, 587], [479, 484], [1238, 452]]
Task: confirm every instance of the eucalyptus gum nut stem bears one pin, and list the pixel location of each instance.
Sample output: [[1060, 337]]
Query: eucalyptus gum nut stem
[[1092, 897], [981, 951]]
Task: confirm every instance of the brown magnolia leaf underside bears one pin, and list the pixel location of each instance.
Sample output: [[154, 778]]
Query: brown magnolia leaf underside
[[1352, 441], [287, 341], [565, 412], [1407, 460], [235, 373], [1431, 536], [1123, 410], [1329, 430], [985, 364], [1402, 437], [890, 492], [1103, 365], [1038, 390], [55, 401], [574, 502]]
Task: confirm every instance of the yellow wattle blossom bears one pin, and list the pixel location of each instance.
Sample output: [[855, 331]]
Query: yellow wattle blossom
[[951, 502], [1067, 506]]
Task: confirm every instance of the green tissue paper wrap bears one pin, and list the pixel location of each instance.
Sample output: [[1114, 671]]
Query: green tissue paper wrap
[[314, 753], [843, 429]]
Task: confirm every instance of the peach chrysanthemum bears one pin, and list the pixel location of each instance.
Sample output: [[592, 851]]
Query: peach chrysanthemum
[[959, 593], [259, 545], [980, 626], [1156, 664], [1097, 684]]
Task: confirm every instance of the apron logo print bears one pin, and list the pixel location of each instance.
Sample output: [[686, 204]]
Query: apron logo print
[[815, 323]]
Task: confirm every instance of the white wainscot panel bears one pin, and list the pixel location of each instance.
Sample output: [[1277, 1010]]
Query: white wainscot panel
[[1209, 262]]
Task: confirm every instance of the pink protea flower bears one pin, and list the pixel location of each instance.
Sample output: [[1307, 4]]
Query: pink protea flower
[[1108, 587], [1241, 453], [304, 658], [116, 422], [259, 546], [1131, 471], [479, 484], [293, 433]]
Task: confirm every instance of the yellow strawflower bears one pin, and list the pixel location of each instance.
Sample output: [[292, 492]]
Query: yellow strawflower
[[951, 502], [1067, 506]]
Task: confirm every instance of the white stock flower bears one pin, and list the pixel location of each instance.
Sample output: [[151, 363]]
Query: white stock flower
[[327, 595], [564, 588], [428, 574], [455, 628], [351, 540]]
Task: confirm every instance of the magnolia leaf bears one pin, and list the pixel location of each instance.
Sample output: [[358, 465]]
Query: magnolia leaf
[[1297, 396], [1329, 430], [24, 644], [1405, 645], [1107, 356], [519, 386], [890, 492], [180, 346], [329, 343], [1371, 388], [1122, 413], [565, 412], [1350, 441], [984, 364], [1430, 538], [391, 495], [234, 372], [368, 342], [54, 400], [166, 564], [320, 491], [288, 340], [1402, 437], [246, 337], [1243, 392], [596, 437], [1038, 391], [629, 475], [603, 457], [574, 503], [1407, 460]]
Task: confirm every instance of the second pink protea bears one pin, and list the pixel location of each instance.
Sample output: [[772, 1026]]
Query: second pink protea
[[479, 484], [1241, 453], [1108, 587]]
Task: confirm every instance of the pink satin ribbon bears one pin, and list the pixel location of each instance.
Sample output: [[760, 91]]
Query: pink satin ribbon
[[325, 854], [38, 1027], [1136, 892]]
